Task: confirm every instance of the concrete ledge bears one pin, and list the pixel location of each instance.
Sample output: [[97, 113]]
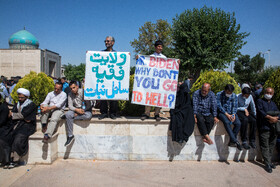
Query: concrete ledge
[[133, 139]]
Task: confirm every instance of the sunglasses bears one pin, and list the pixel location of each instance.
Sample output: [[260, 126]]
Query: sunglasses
[[107, 41]]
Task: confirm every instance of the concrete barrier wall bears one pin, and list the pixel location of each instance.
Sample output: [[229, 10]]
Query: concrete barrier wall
[[133, 139]]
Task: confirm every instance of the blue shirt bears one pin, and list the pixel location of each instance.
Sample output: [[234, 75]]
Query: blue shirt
[[204, 105], [244, 103], [65, 85], [227, 104]]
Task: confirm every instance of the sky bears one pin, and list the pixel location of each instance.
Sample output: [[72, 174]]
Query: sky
[[73, 27]]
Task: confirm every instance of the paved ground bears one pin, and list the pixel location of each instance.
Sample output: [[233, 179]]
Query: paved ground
[[136, 173]]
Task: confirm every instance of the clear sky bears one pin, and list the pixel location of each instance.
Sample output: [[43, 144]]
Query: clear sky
[[71, 27]]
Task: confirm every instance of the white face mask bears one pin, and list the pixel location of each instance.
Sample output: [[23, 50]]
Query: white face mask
[[228, 95], [245, 98], [267, 96]]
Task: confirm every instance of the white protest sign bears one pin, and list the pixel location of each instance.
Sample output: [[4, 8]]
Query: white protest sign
[[107, 75], [155, 81]]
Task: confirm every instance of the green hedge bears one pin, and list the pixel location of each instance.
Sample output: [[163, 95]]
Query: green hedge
[[218, 80], [274, 82], [126, 108], [39, 86]]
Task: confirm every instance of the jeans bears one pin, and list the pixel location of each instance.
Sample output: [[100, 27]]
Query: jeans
[[70, 116], [227, 123], [244, 127]]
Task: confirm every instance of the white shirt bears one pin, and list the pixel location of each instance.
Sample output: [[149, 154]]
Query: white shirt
[[158, 55], [58, 100]]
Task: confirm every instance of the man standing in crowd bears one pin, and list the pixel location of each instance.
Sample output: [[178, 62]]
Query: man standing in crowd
[[64, 83], [157, 53], [227, 109], [113, 104], [79, 109], [205, 111], [267, 132], [244, 101], [53, 106]]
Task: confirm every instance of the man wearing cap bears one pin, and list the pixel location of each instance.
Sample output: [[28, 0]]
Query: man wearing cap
[[24, 124], [157, 53]]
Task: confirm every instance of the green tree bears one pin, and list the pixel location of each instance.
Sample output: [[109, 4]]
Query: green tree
[[73, 72], [39, 86], [206, 39], [247, 69], [149, 33], [274, 82]]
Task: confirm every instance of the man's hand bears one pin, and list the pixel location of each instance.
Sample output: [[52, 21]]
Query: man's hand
[[80, 111], [273, 119], [246, 112], [195, 119], [44, 109], [179, 61], [10, 114], [136, 57], [216, 120]]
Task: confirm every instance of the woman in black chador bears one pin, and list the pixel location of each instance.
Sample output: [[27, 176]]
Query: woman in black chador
[[182, 118], [5, 129], [23, 125]]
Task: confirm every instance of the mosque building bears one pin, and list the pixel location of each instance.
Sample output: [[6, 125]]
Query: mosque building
[[24, 55]]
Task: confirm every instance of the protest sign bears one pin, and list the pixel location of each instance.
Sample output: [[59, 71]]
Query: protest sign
[[155, 81], [107, 75]]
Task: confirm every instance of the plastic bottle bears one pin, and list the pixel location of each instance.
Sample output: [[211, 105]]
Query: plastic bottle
[[84, 106], [39, 111]]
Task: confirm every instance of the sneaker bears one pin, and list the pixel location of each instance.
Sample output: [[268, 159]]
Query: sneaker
[[157, 118], [238, 146], [144, 116], [253, 145], [13, 165], [69, 140], [62, 116], [113, 116], [231, 144], [46, 138], [102, 116], [245, 146], [6, 166]]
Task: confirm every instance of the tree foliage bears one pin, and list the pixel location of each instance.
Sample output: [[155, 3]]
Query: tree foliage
[[39, 86], [73, 72], [274, 82], [206, 39], [149, 33], [248, 69], [218, 80]]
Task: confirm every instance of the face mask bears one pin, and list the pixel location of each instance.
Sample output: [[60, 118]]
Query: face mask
[[267, 96], [228, 95], [245, 98]]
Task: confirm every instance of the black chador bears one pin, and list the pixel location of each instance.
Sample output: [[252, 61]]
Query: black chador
[[182, 117]]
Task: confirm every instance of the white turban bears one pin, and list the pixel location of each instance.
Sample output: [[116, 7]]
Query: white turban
[[23, 91], [244, 86]]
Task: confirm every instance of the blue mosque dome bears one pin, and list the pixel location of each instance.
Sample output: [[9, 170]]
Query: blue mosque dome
[[23, 40]]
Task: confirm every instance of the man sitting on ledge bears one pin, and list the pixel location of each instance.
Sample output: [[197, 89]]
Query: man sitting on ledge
[[227, 108], [79, 109], [53, 106], [205, 111]]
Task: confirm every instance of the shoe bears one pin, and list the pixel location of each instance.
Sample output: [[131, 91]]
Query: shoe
[[13, 165], [245, 146], [231, 144], [102, 116], [272, 166], [157, 118], [113, 116], [238, 146], [144, 116], [46, 138], [69, 140], [253, 145], [44, 128], [268, 168], [6, 166]]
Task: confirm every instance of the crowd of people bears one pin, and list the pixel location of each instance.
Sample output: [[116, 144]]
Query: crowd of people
[[205, 108]]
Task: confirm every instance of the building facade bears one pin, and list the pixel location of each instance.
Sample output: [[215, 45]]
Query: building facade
[[24, 55]]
